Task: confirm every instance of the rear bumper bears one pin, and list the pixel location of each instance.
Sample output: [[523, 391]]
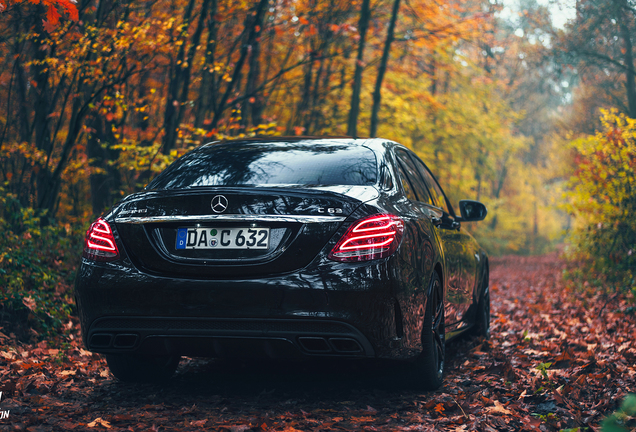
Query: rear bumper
[[349, 311], [211, 337]]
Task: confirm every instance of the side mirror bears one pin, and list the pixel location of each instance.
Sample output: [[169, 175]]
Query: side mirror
[[472, 211]]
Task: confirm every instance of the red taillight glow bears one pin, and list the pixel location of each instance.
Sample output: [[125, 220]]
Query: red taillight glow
[[375, 237], [99, 244]]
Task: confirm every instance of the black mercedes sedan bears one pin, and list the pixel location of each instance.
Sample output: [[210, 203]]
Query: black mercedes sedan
[[284, 248]]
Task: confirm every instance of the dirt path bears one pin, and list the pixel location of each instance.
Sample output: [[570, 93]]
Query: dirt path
[[554, 361]]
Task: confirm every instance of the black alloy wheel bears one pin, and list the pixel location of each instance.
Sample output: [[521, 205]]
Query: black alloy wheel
[[135, 368], [431, 361]]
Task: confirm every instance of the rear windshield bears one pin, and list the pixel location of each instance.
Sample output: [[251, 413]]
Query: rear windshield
[[254, 164]]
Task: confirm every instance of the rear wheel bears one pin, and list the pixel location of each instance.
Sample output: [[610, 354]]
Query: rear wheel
[[430, 365], [482, 320], [135, 368]]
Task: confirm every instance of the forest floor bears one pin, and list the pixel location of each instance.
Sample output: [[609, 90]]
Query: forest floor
[[555, 360]]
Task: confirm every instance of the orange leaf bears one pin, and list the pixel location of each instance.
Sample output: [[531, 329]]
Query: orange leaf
[[52, 15], [439, 408], [70, 9]]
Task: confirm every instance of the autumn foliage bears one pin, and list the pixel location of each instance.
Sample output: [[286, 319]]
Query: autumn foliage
[[603, 197], [52, 7], [98, 104]]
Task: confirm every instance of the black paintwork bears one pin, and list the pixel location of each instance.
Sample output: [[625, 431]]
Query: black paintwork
[[288, 301]]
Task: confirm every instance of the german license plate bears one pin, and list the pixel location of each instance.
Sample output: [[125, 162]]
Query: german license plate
[[222, 238]]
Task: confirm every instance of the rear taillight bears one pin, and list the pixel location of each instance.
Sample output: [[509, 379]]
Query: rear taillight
[[374, 237], [99, 244]]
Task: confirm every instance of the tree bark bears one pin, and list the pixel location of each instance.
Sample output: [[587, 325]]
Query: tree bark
[[25, 130], [354, 111], [173, 102], [377, 93], [251, 106], [303, 104], [187, 70], [630, 77], [314, 109], [500, 184], [106, 183], [253, 30], [207, 93]]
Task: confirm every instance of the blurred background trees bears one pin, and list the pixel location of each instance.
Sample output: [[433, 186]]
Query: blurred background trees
[[96, 97], [98, 102], [597, 143]]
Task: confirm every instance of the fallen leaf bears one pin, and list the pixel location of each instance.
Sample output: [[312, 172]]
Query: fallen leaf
[[99, 422], [498, 409]]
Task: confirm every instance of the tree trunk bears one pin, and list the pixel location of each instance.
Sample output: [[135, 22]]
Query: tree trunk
[[303, 104], [314, 110], [50, 189], [43, 108], [628, 58], [377, 93], [207, 93], [25, 130], [187, 70], [354, 111], [433, 74], [320, 122], [173, 102], [105, 183], [251, 107], [253, 30], [500, 184]]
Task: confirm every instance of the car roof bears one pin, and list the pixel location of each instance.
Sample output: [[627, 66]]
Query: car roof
[[374, 144], [309, 139]]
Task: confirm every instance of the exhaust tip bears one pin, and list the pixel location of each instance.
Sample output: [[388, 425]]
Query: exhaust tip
[[314, 344], [100, 340], [125, 340], [345, 345]]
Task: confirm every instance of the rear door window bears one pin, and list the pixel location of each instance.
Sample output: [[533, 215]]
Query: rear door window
[[419, 186], [437, 194], [406, 184]]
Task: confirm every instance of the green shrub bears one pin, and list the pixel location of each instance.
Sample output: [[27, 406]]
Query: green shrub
[[37, 268], [624, 419]]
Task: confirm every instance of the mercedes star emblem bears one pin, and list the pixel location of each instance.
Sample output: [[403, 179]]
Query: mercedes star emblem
[[219, 204]]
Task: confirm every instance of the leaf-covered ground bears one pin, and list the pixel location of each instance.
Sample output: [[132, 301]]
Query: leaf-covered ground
[[555, 361]]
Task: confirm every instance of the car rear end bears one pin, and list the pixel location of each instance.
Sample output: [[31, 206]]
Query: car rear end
[[228, 254]]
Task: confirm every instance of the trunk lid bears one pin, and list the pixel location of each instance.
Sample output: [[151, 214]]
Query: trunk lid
[[179, 233]]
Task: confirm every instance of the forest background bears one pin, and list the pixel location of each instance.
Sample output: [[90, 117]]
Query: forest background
[[535, 120]]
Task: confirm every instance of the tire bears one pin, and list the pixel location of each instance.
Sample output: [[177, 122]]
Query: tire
[[430, 364], [135, 368], [482, 320]]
